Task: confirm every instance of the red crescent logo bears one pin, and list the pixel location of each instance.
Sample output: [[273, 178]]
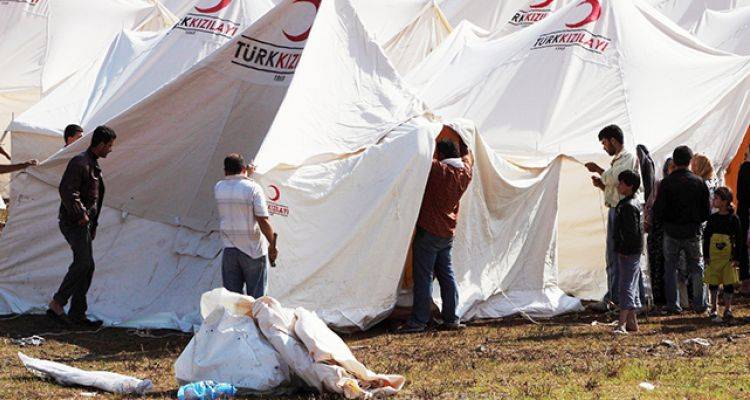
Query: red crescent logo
[[303, 36], [210, 10], [276, 193], [542, 4], [596, 12]]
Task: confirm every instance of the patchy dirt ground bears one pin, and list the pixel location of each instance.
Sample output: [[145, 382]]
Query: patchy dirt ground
[[564, 358]]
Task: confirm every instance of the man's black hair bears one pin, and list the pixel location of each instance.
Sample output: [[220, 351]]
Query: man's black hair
[[102, 134], [447, 149], [630, 178], [612, 132], [71, 130], [682, 156], [233, 164]]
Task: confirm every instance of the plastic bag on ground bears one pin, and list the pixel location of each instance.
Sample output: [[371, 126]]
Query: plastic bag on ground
[[228, 348], [70, 376]]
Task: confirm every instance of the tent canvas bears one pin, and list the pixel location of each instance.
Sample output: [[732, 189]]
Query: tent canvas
[[548, 89], [726, 30], [687, 13], [347, 151], [135, 65]]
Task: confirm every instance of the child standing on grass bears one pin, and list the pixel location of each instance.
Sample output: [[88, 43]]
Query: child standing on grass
[[628, 246], [721, 250]]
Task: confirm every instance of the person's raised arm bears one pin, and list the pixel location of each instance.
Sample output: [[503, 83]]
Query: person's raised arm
[[466, 156]]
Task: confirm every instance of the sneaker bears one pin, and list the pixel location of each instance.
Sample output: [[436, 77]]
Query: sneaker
[[60, 319], [410, 328], [453, 326], [86, 323], [620, 330], [728, 316]]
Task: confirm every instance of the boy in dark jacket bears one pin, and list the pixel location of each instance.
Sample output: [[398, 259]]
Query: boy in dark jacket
[[628, 246]]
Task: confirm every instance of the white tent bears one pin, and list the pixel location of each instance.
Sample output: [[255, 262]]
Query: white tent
[[136, 65], [548, 89], [726, 30], [407, 30], [43, 42], [687, 13], [347, 152], [499, 16]]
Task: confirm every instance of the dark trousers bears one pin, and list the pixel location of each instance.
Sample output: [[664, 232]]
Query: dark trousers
[[432, 258], [77, 281]]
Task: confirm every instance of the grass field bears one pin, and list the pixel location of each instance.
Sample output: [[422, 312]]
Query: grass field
[[564, 358]]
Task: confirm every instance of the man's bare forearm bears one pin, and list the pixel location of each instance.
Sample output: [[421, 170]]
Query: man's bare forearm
[[266, 229]]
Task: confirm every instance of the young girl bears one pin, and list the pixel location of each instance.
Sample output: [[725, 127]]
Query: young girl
[[721, 249]]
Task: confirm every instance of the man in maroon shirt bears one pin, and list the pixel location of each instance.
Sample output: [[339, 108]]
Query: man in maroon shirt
[[449, 178]]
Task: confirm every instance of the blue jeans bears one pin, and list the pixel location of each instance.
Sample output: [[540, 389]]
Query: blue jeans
[[432, 257], [238, 269], [613, 269], [694, 264], [613, 266], [630, 281]]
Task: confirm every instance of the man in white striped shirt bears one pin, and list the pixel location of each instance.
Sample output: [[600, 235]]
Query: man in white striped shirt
[[245, 229]]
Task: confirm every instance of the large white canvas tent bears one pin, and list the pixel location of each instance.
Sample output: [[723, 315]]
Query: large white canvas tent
[[499, 17], [43, 42], [687, 13], [136, 65], [345, 160], [726, 30], [548, 89]]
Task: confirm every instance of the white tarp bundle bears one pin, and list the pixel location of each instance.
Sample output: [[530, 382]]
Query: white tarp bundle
[[345, 160], [136, 65], [548, 89], [726, 30], [284, 339], [70, 376]]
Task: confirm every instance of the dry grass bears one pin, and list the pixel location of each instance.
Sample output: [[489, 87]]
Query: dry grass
[[566, 358]]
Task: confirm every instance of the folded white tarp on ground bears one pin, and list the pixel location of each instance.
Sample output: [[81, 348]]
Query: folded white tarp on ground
[[726, 30], [69, 376], [344, 163], [135, 65], [548, 89], [294, 338]]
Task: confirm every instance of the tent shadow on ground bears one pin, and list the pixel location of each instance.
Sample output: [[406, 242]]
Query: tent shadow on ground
[[108, 343]]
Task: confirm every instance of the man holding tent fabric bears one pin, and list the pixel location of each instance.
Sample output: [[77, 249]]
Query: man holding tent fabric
[[81, 195], [450, 175], [613, 140], [243, 222]]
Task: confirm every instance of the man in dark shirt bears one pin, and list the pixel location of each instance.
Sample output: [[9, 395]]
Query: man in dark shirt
[[81, 195], [449, 178], [683, 205]]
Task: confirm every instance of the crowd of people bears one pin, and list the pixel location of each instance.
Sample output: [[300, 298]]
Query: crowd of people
[[695, 241], [696, 244]]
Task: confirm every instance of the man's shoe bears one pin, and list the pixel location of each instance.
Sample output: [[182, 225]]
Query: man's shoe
[[86, 323], [410, 328], [728, 316], [60, 319], [453, 326]]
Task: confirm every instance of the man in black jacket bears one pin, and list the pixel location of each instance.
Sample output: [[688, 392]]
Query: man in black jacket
[[683, 205], [81, 195]]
